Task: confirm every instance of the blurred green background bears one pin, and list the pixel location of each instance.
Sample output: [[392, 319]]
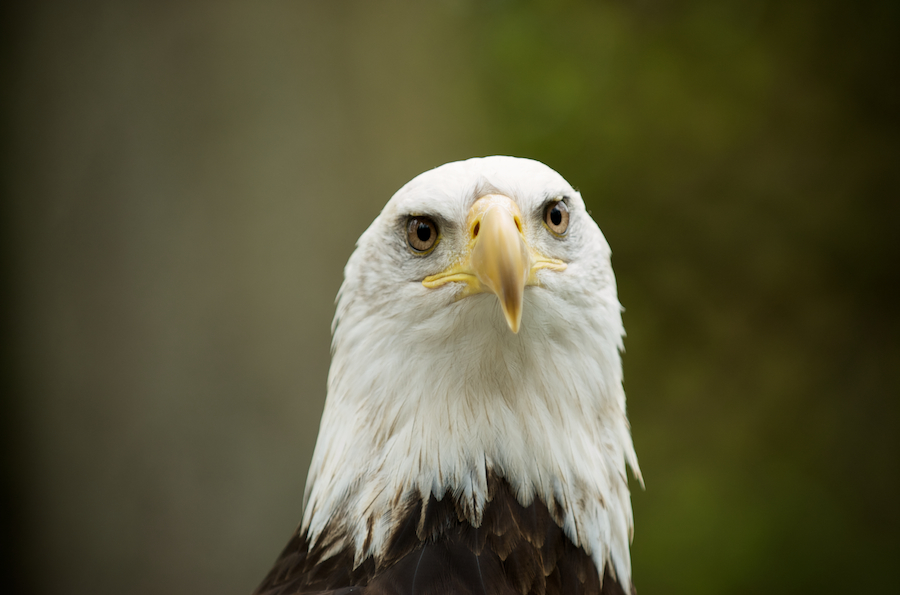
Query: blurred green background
[[184, 181]]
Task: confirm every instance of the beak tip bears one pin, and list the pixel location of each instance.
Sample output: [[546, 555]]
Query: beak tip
[[514, 322]]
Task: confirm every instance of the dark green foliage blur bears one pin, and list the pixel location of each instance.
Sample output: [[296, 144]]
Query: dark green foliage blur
[[186, 181]]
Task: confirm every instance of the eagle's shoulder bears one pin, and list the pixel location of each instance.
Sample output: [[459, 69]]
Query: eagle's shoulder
[[516, 550]]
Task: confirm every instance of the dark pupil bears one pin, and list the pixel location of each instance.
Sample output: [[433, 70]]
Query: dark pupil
[[423, 232], [555, 216]]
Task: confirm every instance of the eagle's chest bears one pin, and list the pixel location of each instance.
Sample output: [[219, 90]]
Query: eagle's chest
[[516, 550]]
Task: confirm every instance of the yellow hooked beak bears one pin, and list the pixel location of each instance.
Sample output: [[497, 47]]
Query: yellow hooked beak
[[497, 258]]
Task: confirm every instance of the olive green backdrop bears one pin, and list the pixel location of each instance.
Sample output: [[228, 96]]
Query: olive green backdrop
[[185, 180]]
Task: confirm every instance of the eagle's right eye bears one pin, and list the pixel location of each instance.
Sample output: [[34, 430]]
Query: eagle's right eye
[[421, 233]]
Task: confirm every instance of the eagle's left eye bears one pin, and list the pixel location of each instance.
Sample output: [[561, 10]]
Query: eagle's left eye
[[556, 217], [421, 233]]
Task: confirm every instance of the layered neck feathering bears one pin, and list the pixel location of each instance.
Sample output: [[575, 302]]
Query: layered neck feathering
[[421, 405]]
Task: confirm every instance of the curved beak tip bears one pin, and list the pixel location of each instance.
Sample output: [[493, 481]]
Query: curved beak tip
[[514, 321], [502, 263]]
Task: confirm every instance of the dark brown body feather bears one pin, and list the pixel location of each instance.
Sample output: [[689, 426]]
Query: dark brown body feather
[[516, 550]]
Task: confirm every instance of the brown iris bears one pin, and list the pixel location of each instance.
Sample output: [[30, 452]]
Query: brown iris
[[421, 233], [556, 217]]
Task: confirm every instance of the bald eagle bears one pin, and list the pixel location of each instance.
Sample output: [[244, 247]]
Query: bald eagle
[[474, 437]]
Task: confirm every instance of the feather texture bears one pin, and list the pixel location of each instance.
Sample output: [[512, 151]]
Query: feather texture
[[517, 550], [453, 453]]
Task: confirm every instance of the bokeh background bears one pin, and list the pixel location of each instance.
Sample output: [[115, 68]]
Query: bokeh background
[[183, 182]]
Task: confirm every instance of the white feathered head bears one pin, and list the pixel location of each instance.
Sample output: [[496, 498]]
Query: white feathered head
[[477, 334]]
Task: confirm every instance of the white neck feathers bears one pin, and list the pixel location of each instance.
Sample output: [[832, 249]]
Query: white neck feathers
[[432, 405]]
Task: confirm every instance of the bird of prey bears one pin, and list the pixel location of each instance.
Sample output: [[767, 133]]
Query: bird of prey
[[474, 438]]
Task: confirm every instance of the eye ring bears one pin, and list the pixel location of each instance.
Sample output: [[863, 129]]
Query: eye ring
[[421, 233], [556, 217]]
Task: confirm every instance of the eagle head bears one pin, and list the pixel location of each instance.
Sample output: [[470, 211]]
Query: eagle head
[[476, 368]]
